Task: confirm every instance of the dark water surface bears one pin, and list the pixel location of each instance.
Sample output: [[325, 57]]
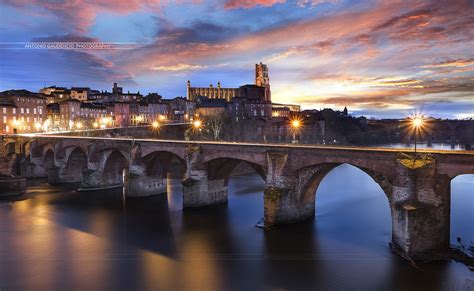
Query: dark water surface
[[59, 239]]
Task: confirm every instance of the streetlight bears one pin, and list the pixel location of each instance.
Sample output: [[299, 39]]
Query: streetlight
[[417, 123], [38, 126], [197, 124], [78, 125], [295, 124], [155, 124]]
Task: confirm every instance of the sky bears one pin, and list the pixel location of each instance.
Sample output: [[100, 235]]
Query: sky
[[380, 58]]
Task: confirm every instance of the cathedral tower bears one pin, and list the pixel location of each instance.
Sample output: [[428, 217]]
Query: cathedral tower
[[262, 79]]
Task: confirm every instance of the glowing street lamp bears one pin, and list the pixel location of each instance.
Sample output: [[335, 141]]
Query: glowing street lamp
[[155, 125], [417, 123], [197, 124], [38, 126], [95, 124], [78, 125], [295, 125], [46, 124]]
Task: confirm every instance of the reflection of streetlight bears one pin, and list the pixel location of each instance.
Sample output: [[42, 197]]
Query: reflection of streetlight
[[295, 124], [417, 122]]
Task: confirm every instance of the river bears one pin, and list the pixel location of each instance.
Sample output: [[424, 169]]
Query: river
[[54, 238]]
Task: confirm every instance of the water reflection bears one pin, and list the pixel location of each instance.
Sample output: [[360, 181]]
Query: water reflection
[[58, 238]]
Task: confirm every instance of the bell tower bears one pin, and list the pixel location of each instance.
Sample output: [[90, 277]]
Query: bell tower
[[262, 79]]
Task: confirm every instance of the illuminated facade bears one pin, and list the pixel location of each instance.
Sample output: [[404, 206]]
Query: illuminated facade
[[21, 111], [261, 80]]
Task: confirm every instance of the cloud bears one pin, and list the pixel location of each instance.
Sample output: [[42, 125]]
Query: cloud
[[177, 68], [70, 37], [389, 54], [79, 15], [234, 4], [451, 63]]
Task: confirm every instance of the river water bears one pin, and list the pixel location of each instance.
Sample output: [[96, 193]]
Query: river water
[[54, 238]]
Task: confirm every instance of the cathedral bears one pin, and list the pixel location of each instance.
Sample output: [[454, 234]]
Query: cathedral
[[262, 81]]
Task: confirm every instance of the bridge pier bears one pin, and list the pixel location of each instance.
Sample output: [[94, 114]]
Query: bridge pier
[[97, 179], [140, 184], [282, 205], [421, 210], [284, 202], [198, 189]]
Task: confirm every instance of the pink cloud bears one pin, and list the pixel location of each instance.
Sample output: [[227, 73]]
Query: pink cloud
[[80, 14], [234, 4]]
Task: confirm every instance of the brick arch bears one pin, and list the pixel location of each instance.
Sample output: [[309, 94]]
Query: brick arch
[[75, 164], [259, 159], [221, 168], [96, 153], [48, 159], [10, 148], [113, 167], [178, 151], [66, 147], [157, 163], [309, 179]]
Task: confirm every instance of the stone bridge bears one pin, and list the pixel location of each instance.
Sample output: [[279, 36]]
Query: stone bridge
[[418, 190]]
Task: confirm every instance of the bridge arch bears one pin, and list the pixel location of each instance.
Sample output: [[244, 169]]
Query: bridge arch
[[157, 163], [114, 167], [10, 148], [221, 168], [48, 160], [75, 165], [310, 178]]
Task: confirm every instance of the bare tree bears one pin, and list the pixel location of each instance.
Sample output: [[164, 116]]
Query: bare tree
[[216, 123]]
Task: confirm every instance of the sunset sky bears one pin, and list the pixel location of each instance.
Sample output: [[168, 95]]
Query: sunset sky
[[383, 58]]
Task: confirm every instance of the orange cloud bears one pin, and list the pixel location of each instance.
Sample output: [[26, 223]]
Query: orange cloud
[[451, 63], [177, 68]]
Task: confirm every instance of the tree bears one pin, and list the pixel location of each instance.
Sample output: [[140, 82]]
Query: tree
[[216, 124]]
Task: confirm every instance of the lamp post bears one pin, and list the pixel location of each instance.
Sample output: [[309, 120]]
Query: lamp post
[[197, 125], [295, 124], [417, 122]]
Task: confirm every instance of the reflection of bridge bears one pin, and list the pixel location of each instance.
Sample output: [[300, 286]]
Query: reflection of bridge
[[418, 194]]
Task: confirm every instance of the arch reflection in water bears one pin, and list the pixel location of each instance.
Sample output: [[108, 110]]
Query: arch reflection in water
[[88, 241], [462, 213]]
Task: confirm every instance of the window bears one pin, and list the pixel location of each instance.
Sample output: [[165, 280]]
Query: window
[[27, 110], [4, 119], [22, 110], [34, 110], [40, 111], [14, 110], [4, 110]]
